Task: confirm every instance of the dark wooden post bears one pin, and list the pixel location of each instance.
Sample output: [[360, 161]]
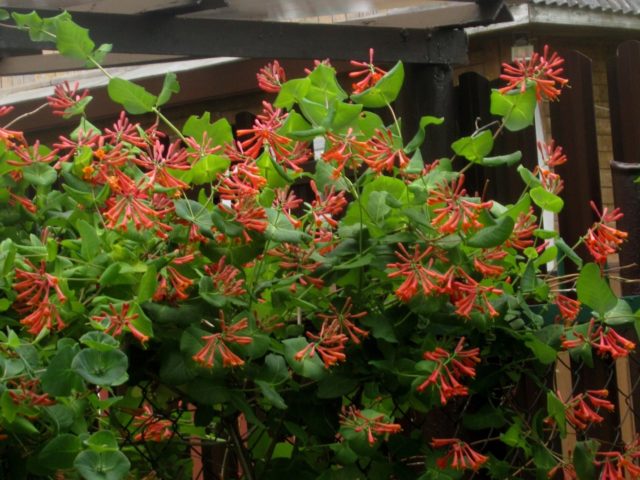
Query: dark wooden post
[[573, 126], [428, 90], [624, 102]]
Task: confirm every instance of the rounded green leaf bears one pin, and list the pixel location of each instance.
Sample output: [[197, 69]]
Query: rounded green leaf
[[101, 368], [60, 452], [493, 235], [546, 200], [385, 91], [516, 108], [110, 465], [134, 98]]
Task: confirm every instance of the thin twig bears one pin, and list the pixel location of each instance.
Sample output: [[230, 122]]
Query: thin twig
[[25, 115]]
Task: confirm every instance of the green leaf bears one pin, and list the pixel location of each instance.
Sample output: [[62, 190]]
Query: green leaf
[[335, 386], [60, 379], [418, 138], [501, 160], [275, 369], [309, 367], [594, 291], [134, 98], [514, 436], [621, 314], [556, 410], [219, 132], [529, 179], [169, 87], [101, 368], [271, 394], [102, 441], [206, 169], [90, 242], [385, 91], [568, 252], [194, 212], [148, 284], [4, 15], [323, 77], [291, 92], [546, 200], [486, 417], [543, 352], [73, 41], [99, 54], [40, 174], [516, 108], [111, 465], [583, 456], [493, 235], [99, 341], [60, 452], [474, 148], [77, 108]]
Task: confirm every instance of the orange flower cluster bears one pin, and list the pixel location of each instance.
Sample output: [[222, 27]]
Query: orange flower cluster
[[601, 239], [217, 344], [460, 455], [374, 426], [117, 320], [604, 340], [150, 427]]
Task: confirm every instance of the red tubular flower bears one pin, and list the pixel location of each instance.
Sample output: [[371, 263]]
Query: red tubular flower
[[375, 426], [552, 155], [88, 139], [619, 465], [567, 469], [521, 237], [248, 213], [45, 315], [202, 147], [604, 340], [325, 210], [157, 160], [569, 308], [28, 205], [345, 151], [543, 70], [64, 97], [602, 240], [224, 279], [298, 260], [117, 320], [34, 287], [369, 71], [460, 455], [458, 212], [481, 264], [271, 77], [150, 427], [342, 321], [24, 392], [216, 344], [286, 201], [416, 273], [581, 409], [329, 344], [450, 369], [382, 154], [124, 131], [31, 155], [469, 295], [264, 133]]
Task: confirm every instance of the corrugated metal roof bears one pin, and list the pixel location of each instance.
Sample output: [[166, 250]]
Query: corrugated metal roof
[[628, 7]]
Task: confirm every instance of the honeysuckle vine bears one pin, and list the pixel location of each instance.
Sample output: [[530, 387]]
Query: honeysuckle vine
[[169, 287]]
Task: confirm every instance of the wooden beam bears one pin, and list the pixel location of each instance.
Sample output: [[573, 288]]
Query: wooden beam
[[200, 37], [54, 62]]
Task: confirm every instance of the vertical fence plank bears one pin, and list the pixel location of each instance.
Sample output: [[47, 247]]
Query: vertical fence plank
[[573, 126], [624, 99]]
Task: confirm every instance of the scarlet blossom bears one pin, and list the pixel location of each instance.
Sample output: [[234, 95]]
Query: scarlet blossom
[[371, 74], [569, 308], [418, 270], [460, 455], [24, 392], [157, 161], [551, 181], [72, 146], [45, 315], [224, 278], [603, 240], [32, 155], [27, 204], [620, 465], [525, 226], [202, 147], [34, 287], [581, 410], [457, 211], [329, 344], [264, 133], [604, 340], [271, 77], [375, 425], [343, 321], [328, 208], [450, 369], [552, 154], [346, 151], [286, 201], [118, 319], [567, 469], [298, 260], [64, 97], [468, 295], [217, 344], [150, 427], [544, 71], [481, 262], [125, 131], [248, 213], [178, 282], [382, 154]]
